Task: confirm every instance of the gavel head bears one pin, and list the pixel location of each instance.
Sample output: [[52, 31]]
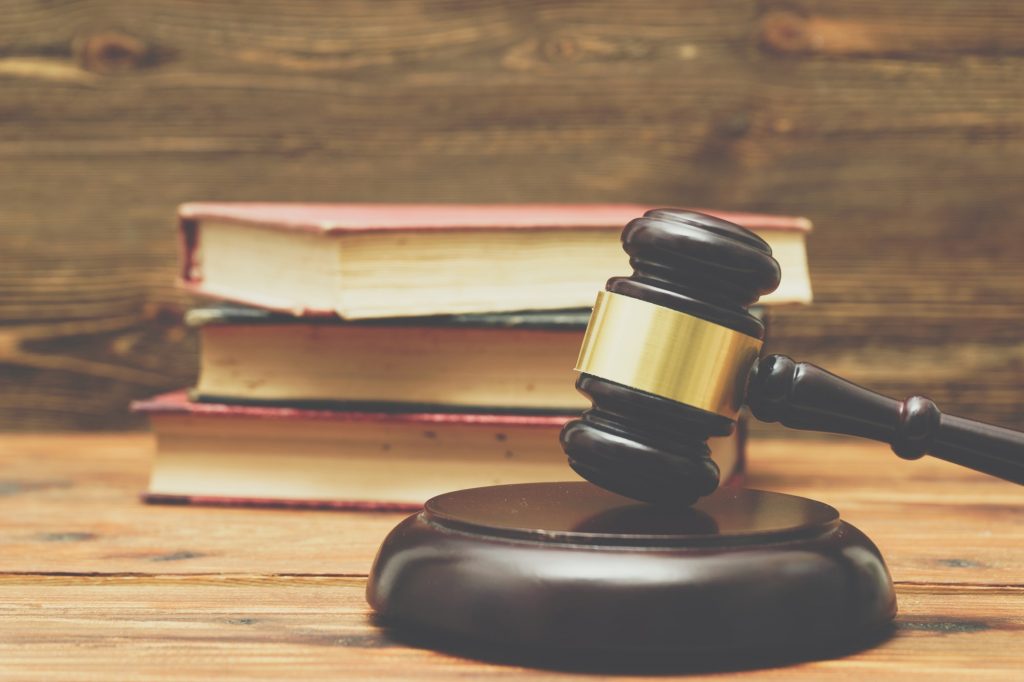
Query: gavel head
[[667, 354]]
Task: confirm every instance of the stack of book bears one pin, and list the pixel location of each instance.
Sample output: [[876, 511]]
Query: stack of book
[[372, 356]]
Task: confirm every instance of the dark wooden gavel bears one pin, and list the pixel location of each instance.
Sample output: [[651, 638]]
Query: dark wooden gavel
[[671, 353]]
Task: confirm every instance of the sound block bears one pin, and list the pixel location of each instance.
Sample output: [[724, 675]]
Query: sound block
[[552, 568]]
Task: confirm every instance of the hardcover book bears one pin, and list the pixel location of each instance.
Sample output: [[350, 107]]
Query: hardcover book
[[361, 261], [281, 456], [484, 363]]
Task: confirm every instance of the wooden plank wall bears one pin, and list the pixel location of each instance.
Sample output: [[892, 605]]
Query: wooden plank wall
[[898, 127]]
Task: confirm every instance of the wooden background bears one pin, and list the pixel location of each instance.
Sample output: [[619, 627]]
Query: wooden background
[[898, 127]]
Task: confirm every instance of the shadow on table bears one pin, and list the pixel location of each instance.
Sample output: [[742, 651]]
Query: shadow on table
[[617, 663]]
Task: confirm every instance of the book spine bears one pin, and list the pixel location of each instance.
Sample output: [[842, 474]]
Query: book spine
[[188, 243]]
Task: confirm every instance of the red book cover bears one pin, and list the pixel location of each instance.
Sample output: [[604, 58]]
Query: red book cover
[[177, 402], [336, 220]]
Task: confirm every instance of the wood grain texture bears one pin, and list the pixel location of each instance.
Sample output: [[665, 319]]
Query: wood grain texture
[[310, 628], [73, 502], [897, 127], [94, 584]]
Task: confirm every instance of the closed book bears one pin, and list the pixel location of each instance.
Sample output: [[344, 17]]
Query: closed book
[[361, 261], [483, 363], [286, 456]]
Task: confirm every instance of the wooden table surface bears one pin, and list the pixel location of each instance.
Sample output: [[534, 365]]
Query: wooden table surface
[[96, 586]]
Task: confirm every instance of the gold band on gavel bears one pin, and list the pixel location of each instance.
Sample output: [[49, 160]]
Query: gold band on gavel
[[668, 353]]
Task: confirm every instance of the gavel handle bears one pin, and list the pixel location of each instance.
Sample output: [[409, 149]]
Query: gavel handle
[[804, 396]]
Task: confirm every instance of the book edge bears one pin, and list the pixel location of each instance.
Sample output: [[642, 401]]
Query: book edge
[[195, 212], [273, 503], [177, 403], [566, 320], [380, 407]]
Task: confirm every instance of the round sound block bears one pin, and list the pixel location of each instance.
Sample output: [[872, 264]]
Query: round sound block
[[569, 567]]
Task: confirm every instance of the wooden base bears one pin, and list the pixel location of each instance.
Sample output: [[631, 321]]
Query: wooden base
[[568, 568]]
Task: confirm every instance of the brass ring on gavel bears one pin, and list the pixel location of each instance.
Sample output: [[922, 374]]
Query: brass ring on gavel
[[668, 353]]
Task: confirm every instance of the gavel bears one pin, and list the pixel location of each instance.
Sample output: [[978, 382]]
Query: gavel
[[672, 353]]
